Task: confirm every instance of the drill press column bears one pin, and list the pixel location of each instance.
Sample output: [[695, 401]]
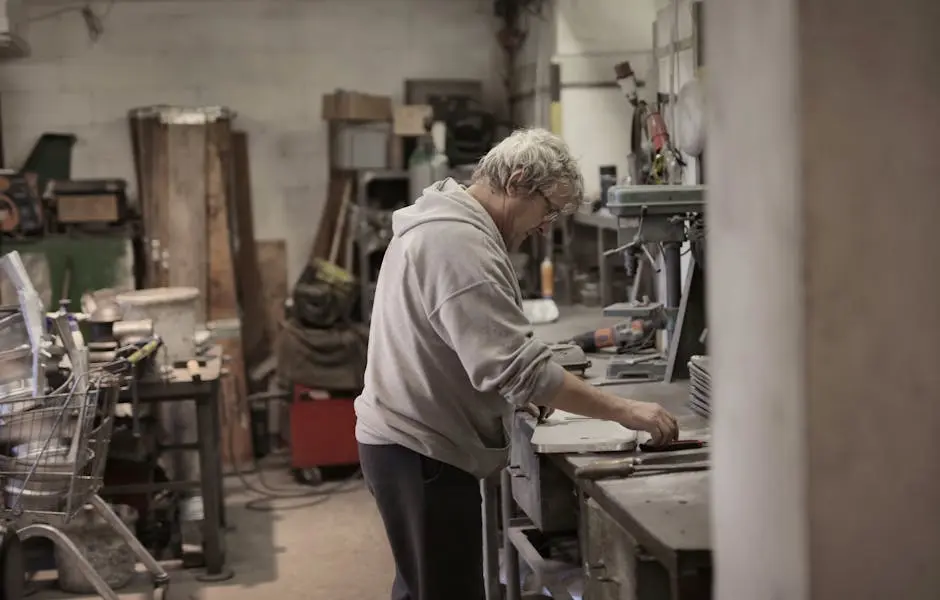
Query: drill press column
[[654, 215]]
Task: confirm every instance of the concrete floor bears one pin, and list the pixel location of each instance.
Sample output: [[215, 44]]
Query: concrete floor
[[332, 550]]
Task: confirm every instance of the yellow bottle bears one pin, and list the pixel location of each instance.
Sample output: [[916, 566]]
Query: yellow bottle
[[548, 278]]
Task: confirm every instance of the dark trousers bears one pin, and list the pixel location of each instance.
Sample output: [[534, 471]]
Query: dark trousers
[[432, 515]]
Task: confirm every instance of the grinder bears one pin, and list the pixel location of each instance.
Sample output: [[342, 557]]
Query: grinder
[[630, 335]]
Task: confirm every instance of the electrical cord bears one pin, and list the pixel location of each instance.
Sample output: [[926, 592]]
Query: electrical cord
[[271, 496], [94, 21]]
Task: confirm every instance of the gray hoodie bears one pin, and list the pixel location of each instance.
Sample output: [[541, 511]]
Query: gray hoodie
[[449, 351]]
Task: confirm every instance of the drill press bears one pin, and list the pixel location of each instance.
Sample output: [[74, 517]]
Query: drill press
[[665, 216]]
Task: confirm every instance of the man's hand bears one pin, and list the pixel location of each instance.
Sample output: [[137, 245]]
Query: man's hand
[[581, 398], [539, 412], [651, 418]]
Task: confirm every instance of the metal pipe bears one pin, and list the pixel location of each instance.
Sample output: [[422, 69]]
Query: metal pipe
[[510, 554], [672, 263], [490, 509]]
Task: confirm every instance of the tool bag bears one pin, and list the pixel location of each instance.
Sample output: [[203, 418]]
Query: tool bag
[[324, 296], [327, 359]]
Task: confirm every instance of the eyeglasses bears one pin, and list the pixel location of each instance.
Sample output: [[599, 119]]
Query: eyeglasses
[[552, 212]]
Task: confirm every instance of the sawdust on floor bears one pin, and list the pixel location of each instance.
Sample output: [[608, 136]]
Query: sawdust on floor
[[331, 550]]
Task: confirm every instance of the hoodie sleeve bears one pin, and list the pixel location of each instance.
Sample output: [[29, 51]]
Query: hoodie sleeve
[[489, 332]]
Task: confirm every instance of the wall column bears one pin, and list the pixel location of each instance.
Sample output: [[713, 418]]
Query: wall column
[[824, 274]]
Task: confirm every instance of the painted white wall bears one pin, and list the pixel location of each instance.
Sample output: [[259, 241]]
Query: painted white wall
[[269, 60], [674, 19], [591, 37], [531, 89]]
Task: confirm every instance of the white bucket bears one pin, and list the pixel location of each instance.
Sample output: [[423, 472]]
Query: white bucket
[[173, 312]]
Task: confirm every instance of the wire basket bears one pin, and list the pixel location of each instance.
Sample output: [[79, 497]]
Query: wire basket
[[53, 449]]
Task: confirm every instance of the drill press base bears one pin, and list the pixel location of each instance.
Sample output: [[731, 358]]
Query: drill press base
[[637, 368]]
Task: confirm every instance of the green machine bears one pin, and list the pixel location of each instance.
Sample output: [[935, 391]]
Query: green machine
[[67, 266]]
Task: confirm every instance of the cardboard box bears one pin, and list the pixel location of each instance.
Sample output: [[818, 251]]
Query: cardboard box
[[355, 106], [361, 146], [409, 119], [88, 208]]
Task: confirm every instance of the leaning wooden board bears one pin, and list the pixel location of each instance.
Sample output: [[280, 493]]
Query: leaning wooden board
[[272, 263], [222, 294], [256, 340], [183, 239]]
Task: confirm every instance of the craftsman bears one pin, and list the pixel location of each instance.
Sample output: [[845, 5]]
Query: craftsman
[[450, 357]]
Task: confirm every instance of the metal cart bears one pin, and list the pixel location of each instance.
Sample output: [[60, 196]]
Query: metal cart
[[57, 447]]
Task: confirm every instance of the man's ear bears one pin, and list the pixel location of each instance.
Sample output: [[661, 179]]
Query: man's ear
[[512, 186]]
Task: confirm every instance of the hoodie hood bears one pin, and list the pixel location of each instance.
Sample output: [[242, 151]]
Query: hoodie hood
[[445, 200]]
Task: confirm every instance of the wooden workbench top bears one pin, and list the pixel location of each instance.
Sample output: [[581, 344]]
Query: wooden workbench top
[[180, 385]]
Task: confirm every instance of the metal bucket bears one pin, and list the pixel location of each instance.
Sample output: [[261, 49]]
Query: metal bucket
[[46, 488], [104, 548], [36, 425], [173, 313]]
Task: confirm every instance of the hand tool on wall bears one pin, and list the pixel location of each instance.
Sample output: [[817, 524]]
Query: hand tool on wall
[[650, 141]]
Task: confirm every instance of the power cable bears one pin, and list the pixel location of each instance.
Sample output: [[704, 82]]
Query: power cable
[[271, 495]]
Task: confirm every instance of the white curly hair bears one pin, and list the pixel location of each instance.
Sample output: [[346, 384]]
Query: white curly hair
[[530, 162]]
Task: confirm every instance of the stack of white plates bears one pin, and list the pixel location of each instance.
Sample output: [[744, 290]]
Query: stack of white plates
[[700, 385]]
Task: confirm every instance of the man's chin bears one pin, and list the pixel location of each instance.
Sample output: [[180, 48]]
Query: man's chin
[[517, 241]]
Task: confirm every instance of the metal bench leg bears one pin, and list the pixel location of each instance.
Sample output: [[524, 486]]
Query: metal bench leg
[[510, 554]]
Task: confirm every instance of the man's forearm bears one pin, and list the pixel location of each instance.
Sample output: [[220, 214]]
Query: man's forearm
[[576, 396]]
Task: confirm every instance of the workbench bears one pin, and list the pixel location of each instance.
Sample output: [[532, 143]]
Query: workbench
[[663, 517], [202, 388]]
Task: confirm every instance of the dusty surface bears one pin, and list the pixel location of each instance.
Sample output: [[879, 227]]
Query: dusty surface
[[334, 550]]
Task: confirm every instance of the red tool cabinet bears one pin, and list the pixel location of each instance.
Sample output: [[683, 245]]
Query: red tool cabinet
[[322, 429]]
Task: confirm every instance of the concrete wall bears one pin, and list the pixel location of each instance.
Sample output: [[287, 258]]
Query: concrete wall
[[676, 68], [531, 89], [825, 482], [269, 60], [588, 38], [591, 37]]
